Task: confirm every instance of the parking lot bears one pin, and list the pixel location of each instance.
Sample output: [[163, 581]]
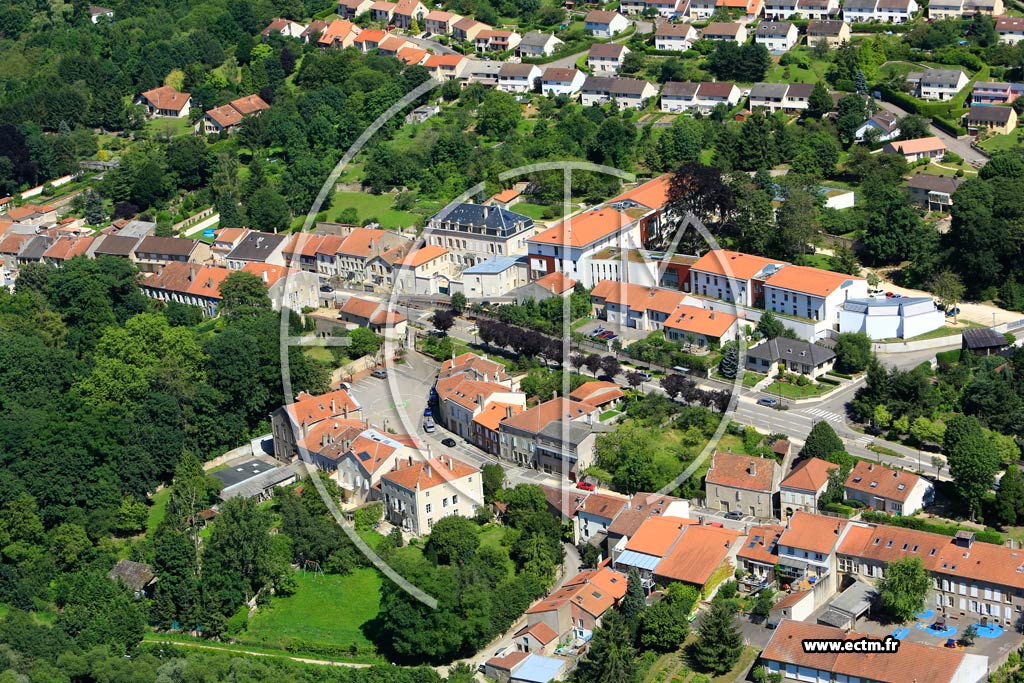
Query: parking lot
[[626, 335], [397, 402]]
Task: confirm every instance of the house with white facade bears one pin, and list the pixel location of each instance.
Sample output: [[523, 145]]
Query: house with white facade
[[606, 58], [736, 33], [558, 81], [779, 10], [536, 44], [895, 11], [417, 494], [881, 488], [678, 37], [777, 36], [497, 40], [817, 9], [919, 148], [769, 96], [884, 122], [859, 11], [494, 277], [517, 78], [601, 24], [626, 92], [166, 102], [425, 271], [350, 9], [284, 27], [937, 84], [945, 9], [446, 67], [1010, 29], [677, 96]]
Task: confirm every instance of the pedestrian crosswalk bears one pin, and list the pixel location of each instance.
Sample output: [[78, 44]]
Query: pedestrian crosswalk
[[863, 440], [826, 415]]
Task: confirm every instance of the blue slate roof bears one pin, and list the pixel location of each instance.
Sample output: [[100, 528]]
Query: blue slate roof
[[498, 264], [461, 217]]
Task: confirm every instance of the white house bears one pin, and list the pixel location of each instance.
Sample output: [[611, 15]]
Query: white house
[[779, 10], [859, 11], [736, 33], [559, 81], [888, 490], [536, 44], [627, 93], [895, 11], [732, 276], [285, 27], [769, 96], [494, 277], [817, 9], [424, 271], [166, 102], [710, 95], [517, 78], [945, 9], [885, 122], [601, 24], [777, 36], [884, 318], [937, 84], [677, 96], [1010, 29], [677, 37], [606, 58], [97, 13]]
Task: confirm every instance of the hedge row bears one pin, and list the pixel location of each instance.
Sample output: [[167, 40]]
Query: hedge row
[[948, 357], [919, 524]]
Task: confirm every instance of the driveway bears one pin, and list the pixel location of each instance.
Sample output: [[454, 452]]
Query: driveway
[[960, 146], [431, 45]]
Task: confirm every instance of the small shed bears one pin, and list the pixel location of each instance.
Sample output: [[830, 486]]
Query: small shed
[[983, 341], [852, 604], [137, 576], [797, 606]]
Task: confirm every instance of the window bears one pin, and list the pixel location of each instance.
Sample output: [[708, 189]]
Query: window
[[429, 508], [455, 500]]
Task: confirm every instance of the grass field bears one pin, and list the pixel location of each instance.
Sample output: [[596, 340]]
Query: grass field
[[159, 509], [162, 126], [797, 74], [377, 206], [536, 211], [328, 610]]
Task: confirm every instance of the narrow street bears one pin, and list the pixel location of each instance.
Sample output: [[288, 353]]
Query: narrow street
[[960, 146]]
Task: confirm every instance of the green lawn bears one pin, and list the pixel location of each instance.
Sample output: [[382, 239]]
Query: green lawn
[[608, 414], [327, 610], [159, 509], [161, 126], [943, 331], [377, 206], [491, 535], [796, 74], [536, 211], [796, 391], [998, 143]]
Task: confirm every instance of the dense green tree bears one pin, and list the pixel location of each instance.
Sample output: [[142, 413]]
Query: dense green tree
[[904, 588], [453, 540], [719, 642], [634, 601], [769, 326], [498, 115], [611, 657], [973, 462], [820, 101], [729, 365], [853, 352], [822, 441], [268, 210], [1010, 497], [243, 295]]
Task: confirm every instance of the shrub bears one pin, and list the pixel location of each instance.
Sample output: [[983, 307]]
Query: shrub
[[838, 508], [948, 357], [803, 380]]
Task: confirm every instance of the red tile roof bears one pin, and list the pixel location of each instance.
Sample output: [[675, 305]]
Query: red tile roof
[[496, 411], [641, 507], [809, 475], [270, 274], [594, 590], [537, 418], [250, 104], [311, 409], [915, 662], [732, 263], [657, 535], [585, 228], [597, 393], [556, 283], [420, 256], [540, 632], [424, 475], [166, 97], [814, 533], [760, 544], [653, 194], [916, 146], [741, 471], [695, 320], [225, 116], [813, 281], [881, 481], [700, 551]]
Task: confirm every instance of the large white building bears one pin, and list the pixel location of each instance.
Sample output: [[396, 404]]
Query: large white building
[[732, 276], [811, 293], [882, 318], [494, 277], [568, 246]]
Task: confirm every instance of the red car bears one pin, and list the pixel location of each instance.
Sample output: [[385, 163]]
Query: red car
[[586, 486]]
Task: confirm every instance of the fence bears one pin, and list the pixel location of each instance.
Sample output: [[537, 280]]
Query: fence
[[194, 218]]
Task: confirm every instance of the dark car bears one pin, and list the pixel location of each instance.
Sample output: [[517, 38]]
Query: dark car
[[449, 442], [326, 288], [767, 401], [605, 378], [735, 514]]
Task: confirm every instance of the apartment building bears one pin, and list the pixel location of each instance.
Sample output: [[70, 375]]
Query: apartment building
[[811, 293], [474, 233], [733, 276], [568, 246], [522, 441]]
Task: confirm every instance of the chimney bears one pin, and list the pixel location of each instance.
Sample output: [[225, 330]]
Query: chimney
[[344, 411], [324, 440], [191, 274], [752, 470], [508, 412], [410, 461], [334, 407], [895, 474], [304, 429], [871, 467], [712, 316], [265, 279], [479, 399], [428, 470]]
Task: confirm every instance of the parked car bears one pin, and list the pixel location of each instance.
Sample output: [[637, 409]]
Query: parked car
[[326, 288], [644, 375], [605, 378], [449, 442], [585, 486], [380, 373], [734, 514], [427, 412], [767, 401], [950, 312]]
